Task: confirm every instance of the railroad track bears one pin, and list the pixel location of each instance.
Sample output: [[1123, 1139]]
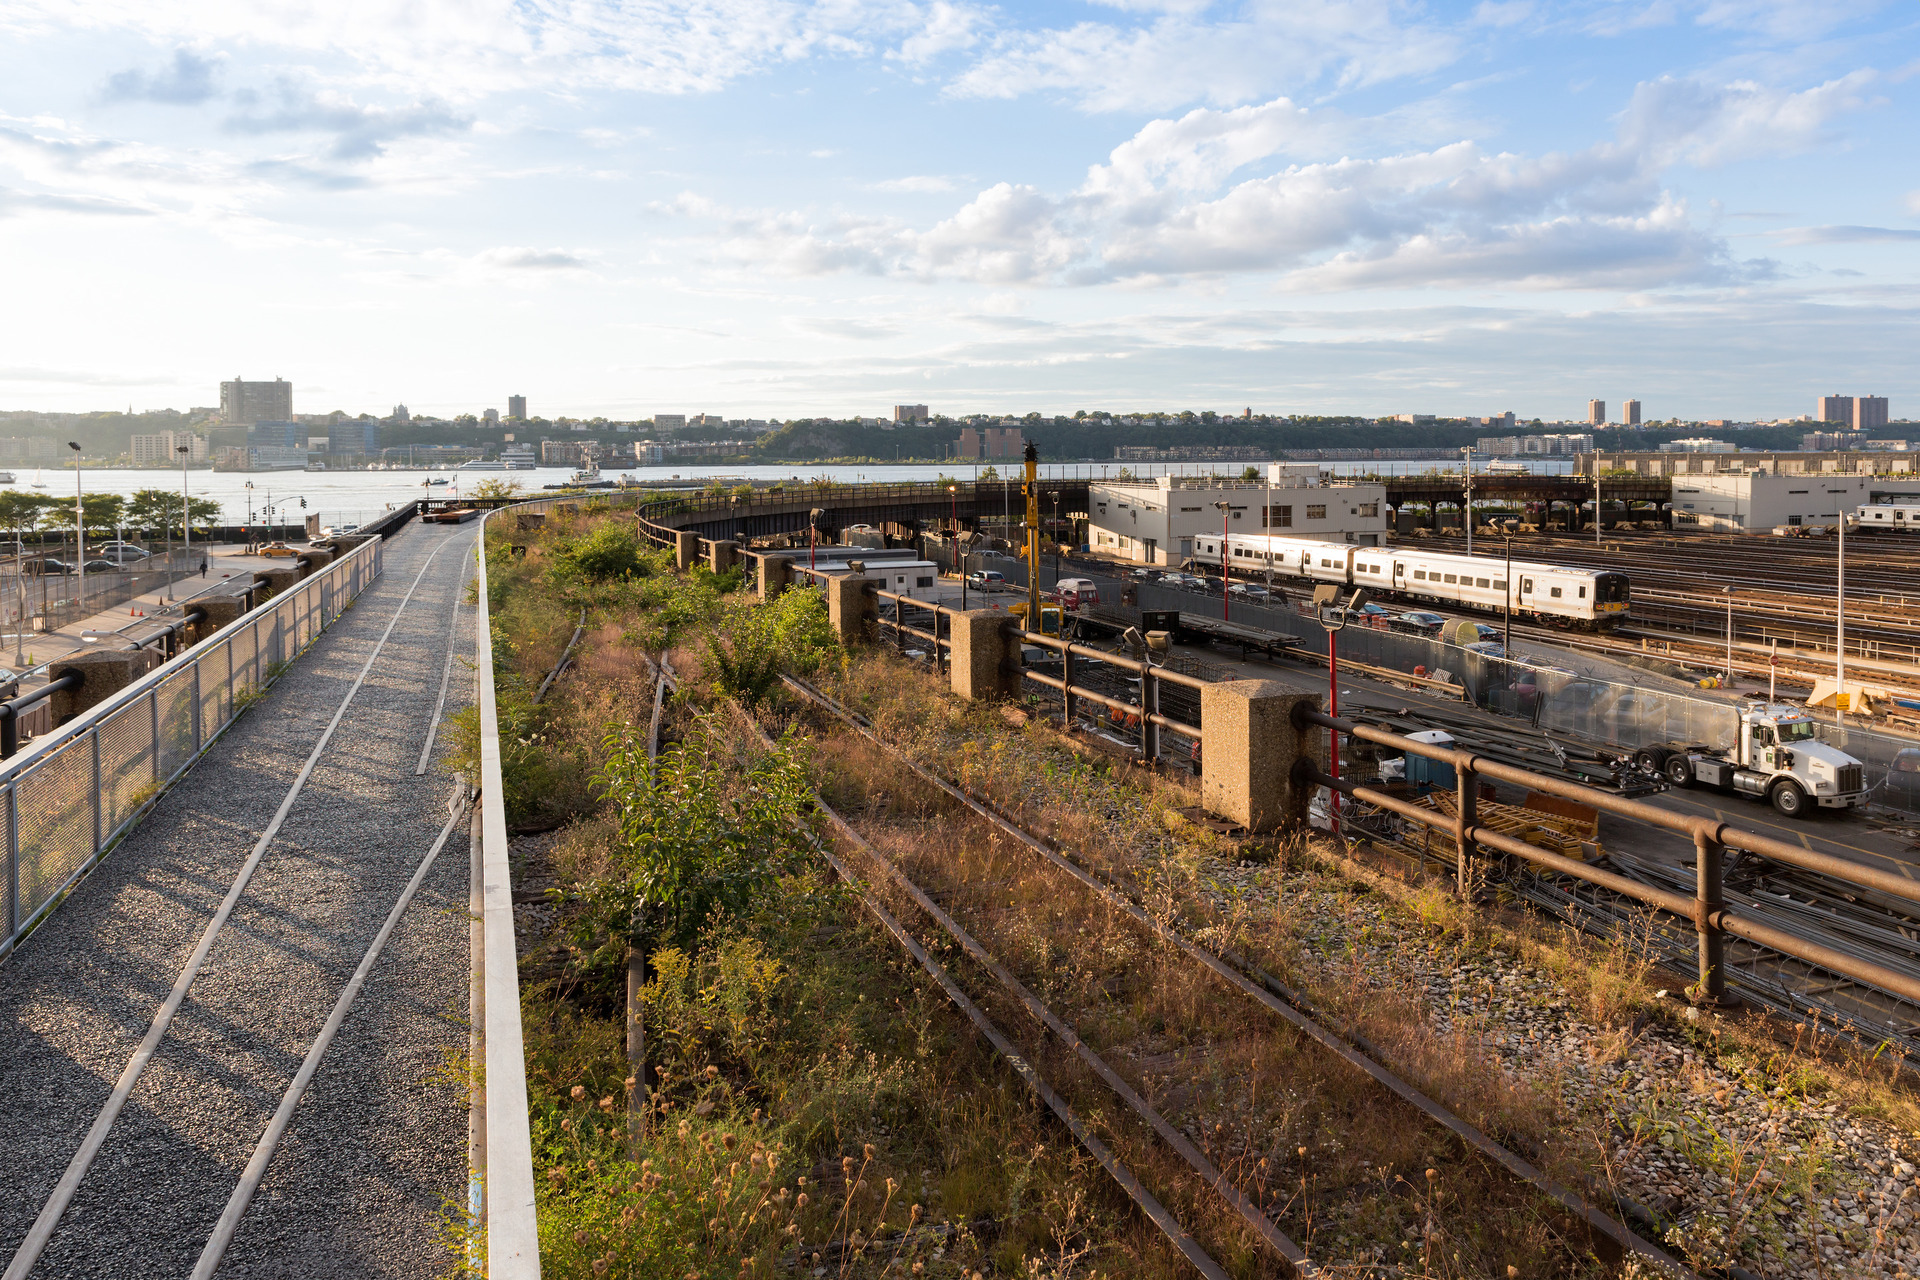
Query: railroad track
[[961, 910], [258, 1118]]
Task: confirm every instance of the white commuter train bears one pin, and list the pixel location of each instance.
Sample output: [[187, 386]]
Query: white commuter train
[[1556, 595], [1897, 516]]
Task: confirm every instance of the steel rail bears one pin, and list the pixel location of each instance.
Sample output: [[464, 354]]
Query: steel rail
[[1148, 1203], [1294, 1010]]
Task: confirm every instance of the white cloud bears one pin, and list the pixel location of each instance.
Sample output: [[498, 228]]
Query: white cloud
[[946, 28], [514, 258], [1172, 202], [1177, 59], [1846, 235], [1695, 122], [1495, 13], [920, 182]]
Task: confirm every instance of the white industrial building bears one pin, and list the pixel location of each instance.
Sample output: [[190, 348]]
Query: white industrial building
[[1760, 501], [1156, 521]]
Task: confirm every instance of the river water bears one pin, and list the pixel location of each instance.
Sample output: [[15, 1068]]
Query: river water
[[354, 497]]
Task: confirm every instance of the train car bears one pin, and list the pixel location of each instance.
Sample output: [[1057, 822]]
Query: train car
[[1555, 595], [1893, 517]]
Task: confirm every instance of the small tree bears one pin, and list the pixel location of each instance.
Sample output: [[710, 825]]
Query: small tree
[[496, 489]]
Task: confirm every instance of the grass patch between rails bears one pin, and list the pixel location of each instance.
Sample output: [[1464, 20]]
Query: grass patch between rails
[[816, 1106]]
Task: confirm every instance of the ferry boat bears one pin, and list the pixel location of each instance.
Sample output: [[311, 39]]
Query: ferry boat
[[6, 477]]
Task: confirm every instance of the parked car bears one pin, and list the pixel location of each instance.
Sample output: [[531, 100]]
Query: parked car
[[1373, 615], [1419, 622], [1481, 629], [45, 565], [101, 566], [273, 549], [1486, 649], [1251, 592], [1903, 777], [1150, 575], [986, 580], [338, 530]]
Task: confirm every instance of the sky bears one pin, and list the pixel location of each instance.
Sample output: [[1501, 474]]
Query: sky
[[780, 208]]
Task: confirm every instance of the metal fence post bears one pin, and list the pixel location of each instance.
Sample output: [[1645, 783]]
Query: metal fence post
[[1066, 689], [13, 862], [1468, 790], [153, 719], [1149, 708], [94, 736], [1709, 898]]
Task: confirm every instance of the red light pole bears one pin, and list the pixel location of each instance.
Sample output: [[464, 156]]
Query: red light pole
[[1322, 597]]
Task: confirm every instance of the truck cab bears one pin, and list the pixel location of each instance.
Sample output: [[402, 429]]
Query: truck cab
[[1776, 756]]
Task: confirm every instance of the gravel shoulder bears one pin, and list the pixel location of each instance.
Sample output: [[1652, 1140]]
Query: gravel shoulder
[[376, 1146]]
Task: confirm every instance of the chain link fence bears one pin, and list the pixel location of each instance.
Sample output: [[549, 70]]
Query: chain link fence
[[69, 797]]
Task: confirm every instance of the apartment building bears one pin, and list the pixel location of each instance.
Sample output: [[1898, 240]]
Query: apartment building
[[149, 450], [244, 403]]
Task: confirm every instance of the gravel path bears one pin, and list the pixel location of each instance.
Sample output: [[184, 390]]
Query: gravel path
[[376, 1146]]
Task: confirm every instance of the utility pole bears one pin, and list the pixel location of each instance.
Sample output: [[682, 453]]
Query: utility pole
[[1030, 490], [79, 523], [1466, 512], [1226, 579], [1840, 620], [1596, 499], [1507, 639]]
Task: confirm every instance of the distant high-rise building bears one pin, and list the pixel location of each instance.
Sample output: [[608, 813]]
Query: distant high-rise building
[[517, 407], [491, 417], [669, 422], [1596, 412], [904, 413], [1630, 413], [244, 403], [277, 435], [991, 442], [1834, 409], [1869, 411]]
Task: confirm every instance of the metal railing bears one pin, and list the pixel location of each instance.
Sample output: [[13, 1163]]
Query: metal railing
[[73, 793], [1706, 909], [1145, 713]]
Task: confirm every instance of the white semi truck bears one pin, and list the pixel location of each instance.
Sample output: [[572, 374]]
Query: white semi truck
[[1775, 757]]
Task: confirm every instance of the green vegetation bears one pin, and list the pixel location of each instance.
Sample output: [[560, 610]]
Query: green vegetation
[[814, 1101]]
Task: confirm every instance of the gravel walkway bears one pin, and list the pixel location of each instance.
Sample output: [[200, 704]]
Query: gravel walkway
[[376, 1146]]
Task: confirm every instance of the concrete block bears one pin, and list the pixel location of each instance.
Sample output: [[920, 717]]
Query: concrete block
[[686, 549], [220, 610], [853, 609], [985, 658], [102, 673], [268, 583], [722, 554], [530, 521], [773, 574], [312, 561], [344, 544], [1249, 751]]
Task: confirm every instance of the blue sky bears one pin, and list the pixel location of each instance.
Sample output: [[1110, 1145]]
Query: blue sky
[[756, 207]]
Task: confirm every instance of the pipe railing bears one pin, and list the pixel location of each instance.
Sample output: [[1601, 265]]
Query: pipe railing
[[1706, 909]]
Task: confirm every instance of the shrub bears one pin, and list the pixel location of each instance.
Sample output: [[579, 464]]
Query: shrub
[[755, 644], [611, 550]]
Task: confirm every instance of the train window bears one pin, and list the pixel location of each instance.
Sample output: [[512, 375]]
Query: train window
[[1481, 583], [1398, 568], [1498, 585], [1526, 586], [1583, 593], [1555, 593], [1420, 575], [1452, 578]]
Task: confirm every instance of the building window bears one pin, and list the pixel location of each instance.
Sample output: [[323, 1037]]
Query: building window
[[1316, 513], [1369, 508], [923, 582], [1189, 508], [1279, 517]]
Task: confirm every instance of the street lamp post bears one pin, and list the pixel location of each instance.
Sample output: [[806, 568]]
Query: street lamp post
[[1597, 525], [1507, 639], [79, 523], [1840, 626], [1226, 579], [1056, 538], [1729, 590], [1466, 512], [186, 522]]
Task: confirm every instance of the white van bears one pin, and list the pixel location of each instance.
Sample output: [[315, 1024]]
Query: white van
[[1077, 593]]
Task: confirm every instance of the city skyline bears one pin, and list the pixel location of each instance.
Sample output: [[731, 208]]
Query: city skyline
[[788, 209]]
